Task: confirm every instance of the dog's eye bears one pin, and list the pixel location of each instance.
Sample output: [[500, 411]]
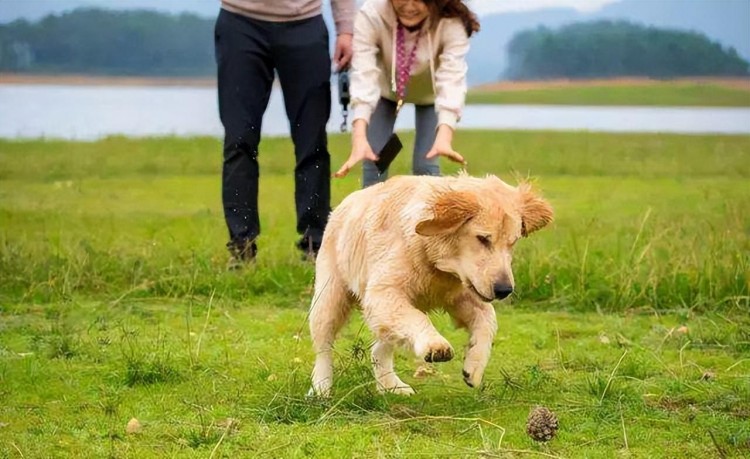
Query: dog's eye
[[485, 241]]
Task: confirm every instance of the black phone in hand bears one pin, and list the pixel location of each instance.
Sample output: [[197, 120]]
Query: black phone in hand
[[388, 153]]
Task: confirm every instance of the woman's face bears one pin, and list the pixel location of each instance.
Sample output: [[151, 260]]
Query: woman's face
[[410, 12]]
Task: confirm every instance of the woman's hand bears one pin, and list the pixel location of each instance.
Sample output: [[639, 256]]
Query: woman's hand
[[443, 147], [361, 148]]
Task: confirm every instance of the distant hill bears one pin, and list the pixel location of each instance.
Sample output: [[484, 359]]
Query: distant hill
[[612, 49], [724, 21], [33, 10], [110, 42]]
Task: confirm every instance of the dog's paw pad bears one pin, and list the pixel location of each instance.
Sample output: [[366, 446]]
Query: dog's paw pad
[[439, 355]]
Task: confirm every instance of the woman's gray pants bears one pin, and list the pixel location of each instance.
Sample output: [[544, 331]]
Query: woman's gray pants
[[380, 129]]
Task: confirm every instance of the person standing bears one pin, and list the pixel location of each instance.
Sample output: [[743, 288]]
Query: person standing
[[254, 38], [408, 51]]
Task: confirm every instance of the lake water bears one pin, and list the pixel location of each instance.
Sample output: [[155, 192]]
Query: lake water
[[89, 113]]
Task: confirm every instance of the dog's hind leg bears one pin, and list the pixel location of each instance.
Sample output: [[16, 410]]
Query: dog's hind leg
[[329, 311], [382, 365]]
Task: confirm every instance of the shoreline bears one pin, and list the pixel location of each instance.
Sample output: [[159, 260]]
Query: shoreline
[[505, 86], [531, 85], [93, 80]]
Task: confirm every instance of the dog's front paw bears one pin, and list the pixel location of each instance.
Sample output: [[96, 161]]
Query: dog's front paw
[[442, 354], [472, 379], [475, 362], [438, 350]]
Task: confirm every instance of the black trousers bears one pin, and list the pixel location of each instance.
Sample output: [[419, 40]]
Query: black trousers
[[247, 53]]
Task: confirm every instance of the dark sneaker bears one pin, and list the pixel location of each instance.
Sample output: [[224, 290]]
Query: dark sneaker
[[241, 253], [309, 249]]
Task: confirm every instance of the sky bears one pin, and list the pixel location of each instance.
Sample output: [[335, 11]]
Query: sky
[[35, 9], [482, 7]]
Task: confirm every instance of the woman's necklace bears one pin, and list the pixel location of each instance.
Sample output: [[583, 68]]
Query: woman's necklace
[[403, 64]]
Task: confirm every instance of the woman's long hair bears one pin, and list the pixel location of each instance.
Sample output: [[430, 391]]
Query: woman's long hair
[[455, 9]]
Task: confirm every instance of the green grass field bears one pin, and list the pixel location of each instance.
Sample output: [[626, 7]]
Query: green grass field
[[630, 319], [697, 94]]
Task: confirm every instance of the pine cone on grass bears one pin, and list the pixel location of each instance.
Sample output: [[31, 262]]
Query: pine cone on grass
[[542, 424]]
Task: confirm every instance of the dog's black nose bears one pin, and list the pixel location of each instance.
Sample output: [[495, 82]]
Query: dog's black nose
[[502, 290]]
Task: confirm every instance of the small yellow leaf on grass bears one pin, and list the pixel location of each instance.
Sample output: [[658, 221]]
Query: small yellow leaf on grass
[[622, 341], [271, 378], [424, 371], [134, 426], [228, 424]]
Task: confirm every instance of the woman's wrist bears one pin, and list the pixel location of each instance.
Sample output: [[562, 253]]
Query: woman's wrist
[[444, 133], [359, 130]]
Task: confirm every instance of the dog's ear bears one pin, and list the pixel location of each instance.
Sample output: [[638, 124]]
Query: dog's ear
[[536, 213], [450, 210]]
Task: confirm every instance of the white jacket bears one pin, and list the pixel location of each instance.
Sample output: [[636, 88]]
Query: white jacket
[[438, 74]]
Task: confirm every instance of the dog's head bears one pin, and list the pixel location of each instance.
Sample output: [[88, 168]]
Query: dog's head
[[472, 230]]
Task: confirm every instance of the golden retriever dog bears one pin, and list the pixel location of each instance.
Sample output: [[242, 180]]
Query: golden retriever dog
[[411, 245]]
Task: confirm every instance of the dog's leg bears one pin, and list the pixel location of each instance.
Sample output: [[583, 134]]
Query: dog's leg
[[480, 320], [393, 319], [382, 365], [328, 313]]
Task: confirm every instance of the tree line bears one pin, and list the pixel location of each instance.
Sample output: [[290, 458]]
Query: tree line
[[604, 49], [147, 43], [105, 42]]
